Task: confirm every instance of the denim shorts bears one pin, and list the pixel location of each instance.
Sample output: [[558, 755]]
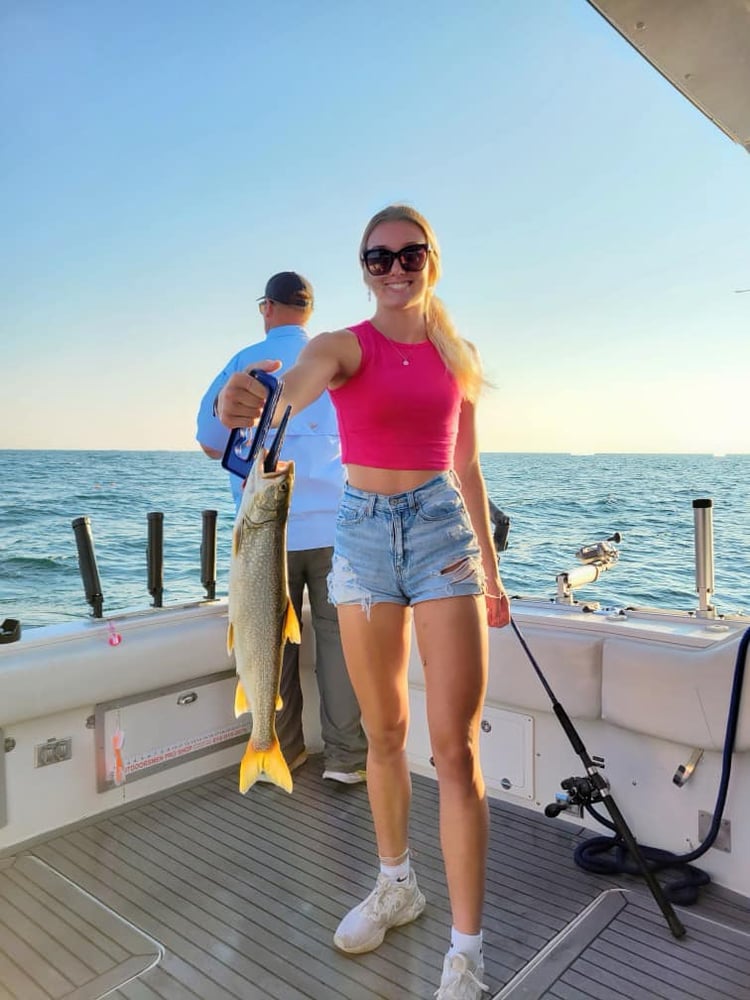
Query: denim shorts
[[403, 548]]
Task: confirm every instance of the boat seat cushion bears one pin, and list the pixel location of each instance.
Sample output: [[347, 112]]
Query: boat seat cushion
[[674, 693], [570, 662]]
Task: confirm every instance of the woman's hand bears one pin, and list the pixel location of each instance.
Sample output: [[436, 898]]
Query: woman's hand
[[240, 402], [498, 609]]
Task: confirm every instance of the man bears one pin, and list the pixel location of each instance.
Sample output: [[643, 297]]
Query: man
[[312, 442]]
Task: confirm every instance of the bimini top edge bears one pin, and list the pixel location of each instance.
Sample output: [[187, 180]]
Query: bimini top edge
[[701, 46]]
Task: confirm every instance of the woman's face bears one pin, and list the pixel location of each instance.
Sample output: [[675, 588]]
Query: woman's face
[[397, 289]]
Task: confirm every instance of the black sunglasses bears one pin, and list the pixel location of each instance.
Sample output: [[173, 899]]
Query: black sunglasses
[[412, 257]]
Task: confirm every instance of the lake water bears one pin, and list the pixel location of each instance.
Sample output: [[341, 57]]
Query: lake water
[[556, 504]]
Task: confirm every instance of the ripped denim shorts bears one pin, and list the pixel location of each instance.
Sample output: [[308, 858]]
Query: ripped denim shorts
[[403, 548]]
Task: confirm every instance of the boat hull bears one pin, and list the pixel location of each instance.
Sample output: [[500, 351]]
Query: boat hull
[[643, 690]]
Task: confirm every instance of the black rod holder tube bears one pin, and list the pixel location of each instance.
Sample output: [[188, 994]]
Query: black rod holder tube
[[87, 565], [155, 556], [208, 554]]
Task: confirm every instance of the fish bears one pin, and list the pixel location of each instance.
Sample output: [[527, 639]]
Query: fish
[[261, 617]]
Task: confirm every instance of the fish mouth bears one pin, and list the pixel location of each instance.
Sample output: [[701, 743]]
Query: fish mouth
[[282, 469], [259, 480]]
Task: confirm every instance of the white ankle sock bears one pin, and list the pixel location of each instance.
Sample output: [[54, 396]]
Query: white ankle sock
[[398, 872], [468, 944]]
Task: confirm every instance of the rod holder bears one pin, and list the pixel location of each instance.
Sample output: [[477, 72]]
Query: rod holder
[[87, 565], [596, 558], [208, 554], [155, 556], [704, 556], [10, 630]]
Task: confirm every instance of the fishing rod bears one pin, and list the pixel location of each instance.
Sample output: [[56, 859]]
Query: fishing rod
[[594, 787]]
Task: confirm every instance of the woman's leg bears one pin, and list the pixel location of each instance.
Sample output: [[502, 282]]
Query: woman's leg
[[452, 639], [376, 648]]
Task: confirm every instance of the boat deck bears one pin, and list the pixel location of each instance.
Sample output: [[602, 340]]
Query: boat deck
[[203, 894]]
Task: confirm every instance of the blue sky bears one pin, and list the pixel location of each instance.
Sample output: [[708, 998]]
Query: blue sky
[[160, 159]]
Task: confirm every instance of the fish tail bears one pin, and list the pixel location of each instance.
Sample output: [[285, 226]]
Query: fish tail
[[270, 762]]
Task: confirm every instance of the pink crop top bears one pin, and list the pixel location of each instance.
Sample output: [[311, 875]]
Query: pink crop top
[[394, 415]]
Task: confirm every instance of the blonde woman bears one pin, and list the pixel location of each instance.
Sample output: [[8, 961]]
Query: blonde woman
[[413, 538]]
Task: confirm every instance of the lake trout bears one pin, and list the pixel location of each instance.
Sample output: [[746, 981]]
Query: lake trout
[[261, 617]]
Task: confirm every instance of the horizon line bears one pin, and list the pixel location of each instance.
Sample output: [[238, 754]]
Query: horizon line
[[518, 451]]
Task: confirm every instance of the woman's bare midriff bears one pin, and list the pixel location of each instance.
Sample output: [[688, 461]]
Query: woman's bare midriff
[[388, 481]]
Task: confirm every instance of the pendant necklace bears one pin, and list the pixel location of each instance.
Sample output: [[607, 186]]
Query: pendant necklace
[[404, 360]]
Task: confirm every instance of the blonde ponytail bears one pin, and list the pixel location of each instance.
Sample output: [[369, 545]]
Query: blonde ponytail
[[460, 357]]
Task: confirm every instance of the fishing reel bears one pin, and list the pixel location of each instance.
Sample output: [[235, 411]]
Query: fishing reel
[[600, 553], [578, 793], [596, 559]]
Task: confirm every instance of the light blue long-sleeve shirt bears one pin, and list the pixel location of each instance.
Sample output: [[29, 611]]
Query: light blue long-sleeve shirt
[[311, 442]]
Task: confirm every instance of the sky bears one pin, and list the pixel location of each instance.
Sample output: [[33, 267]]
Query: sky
[[159, 159]]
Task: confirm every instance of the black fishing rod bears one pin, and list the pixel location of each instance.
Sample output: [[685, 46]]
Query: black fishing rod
[[595, 788]]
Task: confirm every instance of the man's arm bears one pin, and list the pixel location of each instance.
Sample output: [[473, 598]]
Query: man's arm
[[210, 433]]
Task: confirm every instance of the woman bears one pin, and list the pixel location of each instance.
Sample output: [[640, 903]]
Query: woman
[[413, 538]]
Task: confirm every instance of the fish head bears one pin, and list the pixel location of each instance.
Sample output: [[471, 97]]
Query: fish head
[[267, 495]]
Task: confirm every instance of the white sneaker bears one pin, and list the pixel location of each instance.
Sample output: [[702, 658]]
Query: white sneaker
[[461, 979], [390, 904], [345, 777]]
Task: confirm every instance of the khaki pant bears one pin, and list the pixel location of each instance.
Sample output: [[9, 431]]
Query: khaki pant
[[344, 741]]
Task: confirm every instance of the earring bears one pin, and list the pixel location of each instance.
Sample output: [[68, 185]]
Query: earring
[[369, 295]]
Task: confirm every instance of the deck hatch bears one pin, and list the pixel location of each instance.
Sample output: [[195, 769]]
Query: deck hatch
[[57, 941], [167, 726], [618, 946]]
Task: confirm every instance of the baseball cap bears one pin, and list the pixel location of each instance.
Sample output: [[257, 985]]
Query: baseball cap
[[289, 289]]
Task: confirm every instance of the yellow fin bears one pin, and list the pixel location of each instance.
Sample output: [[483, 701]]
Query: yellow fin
[[291, 631], [241, 704], [270, 762], [230, 637], [236, 538]]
